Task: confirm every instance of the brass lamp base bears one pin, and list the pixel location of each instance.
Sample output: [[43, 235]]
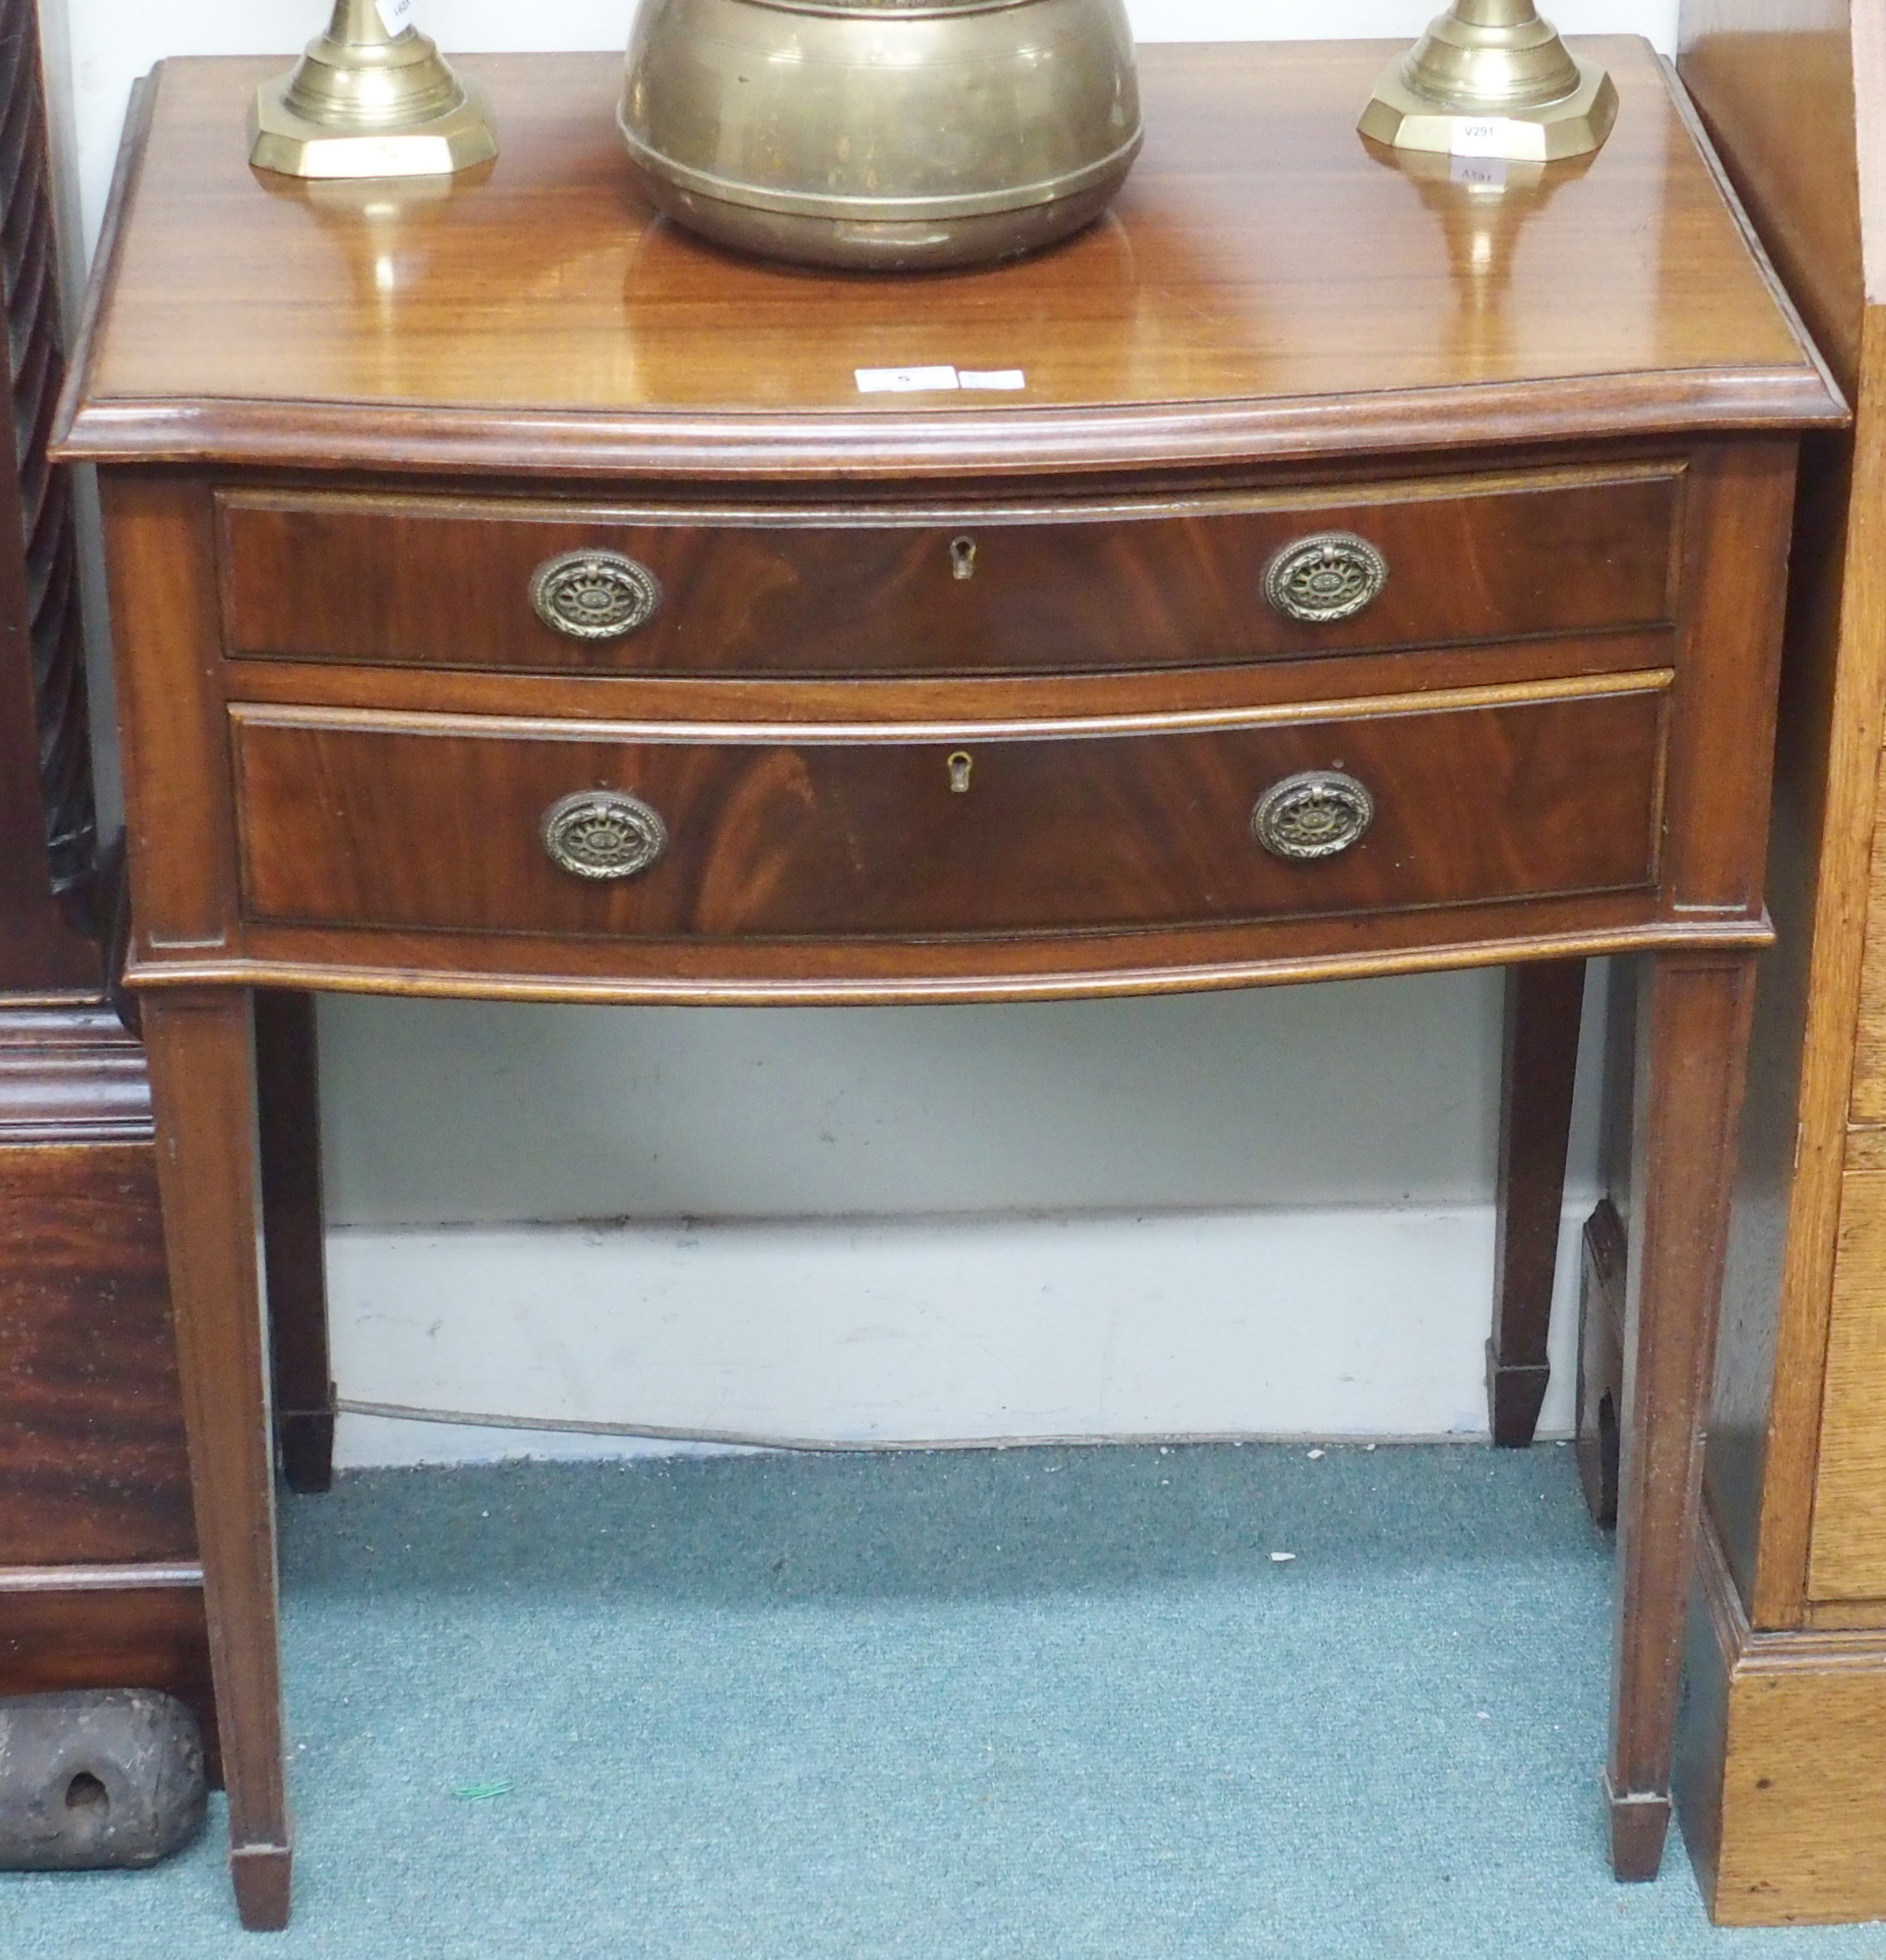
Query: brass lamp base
[[365, 100], [1490, 78]]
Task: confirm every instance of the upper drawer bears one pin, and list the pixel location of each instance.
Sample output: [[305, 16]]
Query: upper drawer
[[438, 582], [474, 824]]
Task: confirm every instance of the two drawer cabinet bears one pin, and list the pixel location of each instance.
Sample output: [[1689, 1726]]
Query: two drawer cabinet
[[516, 597]]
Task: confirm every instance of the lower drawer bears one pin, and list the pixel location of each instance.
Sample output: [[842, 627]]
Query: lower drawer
[[454, 821]]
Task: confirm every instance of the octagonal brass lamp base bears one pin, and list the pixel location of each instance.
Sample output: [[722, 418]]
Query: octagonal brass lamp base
[[1490, 78], [371, 98]]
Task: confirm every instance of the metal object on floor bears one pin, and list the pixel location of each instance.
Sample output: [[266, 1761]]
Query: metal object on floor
[[106, 1777], [1490, 78], [371, 98], [883, 135]]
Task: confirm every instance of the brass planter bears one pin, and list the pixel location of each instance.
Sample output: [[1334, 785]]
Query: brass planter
[[881, 136]]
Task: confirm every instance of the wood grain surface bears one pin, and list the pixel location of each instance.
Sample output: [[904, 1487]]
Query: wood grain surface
[[129, 1627], [92, 1463], [255, 319], [1774, 79], [439, 825], [1775, 82], [1781, 1777], [1849, 1526], [203, 1092], [439, 583], [177, 689], [1867, 1102], [1544, 1001], [1691, 1038], [99, 1586]]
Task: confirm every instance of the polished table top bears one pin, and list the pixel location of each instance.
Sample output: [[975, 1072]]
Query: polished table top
[[1268, 286]]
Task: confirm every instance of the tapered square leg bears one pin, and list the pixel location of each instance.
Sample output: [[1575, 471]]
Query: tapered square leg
[[199, 1044], [1544, 1005], [262, 1875], [1638, 1827], [295, 1247], [1692, 1034]]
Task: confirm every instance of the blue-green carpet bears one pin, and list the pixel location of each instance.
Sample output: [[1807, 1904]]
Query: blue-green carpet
[[1050, 1704]]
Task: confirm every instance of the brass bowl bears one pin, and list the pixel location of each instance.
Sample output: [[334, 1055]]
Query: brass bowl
[[882, 135]]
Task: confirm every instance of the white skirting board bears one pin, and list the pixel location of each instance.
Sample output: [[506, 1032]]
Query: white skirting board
[[1326, 1322]]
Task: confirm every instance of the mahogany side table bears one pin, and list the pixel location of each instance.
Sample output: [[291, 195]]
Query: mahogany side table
[[1367, 566]]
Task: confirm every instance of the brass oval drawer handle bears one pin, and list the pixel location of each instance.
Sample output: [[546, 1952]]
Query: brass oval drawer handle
[[594, 595], [1315, 813], [1333, 575], [603, 833]]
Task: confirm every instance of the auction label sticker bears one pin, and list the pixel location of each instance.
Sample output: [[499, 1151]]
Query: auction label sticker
[[1489, 136], [1488, 172], [394, 15], [904, 380], [922, 380]]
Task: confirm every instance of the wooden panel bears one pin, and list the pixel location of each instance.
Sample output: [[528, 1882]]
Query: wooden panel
[[1775, 82], [1765, 1416], [1774, 79], [944, 700], [92, 1457], [161, 557], [1266, 285], [1862, 1614], [437, 822], [1741, 496], [777, 972], [411, 582], [66, 1631], [1849, 1555], [1781, 1780], [1868, 1103]]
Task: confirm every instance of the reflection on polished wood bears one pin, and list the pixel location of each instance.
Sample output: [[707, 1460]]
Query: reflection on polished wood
[[1287, 325]]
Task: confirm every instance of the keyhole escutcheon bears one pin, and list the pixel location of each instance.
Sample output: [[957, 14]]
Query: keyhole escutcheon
[[962, 558], [960, 765]]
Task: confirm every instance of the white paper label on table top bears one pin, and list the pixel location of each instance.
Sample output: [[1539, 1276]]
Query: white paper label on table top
[[903, 380], [394, 15], [919, 380], [1487, 136]]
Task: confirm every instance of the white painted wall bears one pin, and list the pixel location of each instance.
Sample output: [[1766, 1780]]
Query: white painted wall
[[1229, 1214]]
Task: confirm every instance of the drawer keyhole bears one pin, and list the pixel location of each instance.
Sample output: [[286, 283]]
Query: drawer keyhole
[[960, 765], [962, 558]]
